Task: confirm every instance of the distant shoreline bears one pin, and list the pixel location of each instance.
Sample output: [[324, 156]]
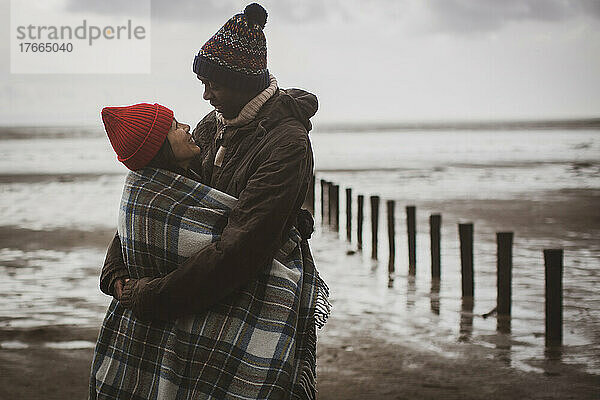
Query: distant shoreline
[[571, 124], [69, 131]]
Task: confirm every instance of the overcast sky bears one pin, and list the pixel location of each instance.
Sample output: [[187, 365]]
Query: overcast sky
[[367, 61]]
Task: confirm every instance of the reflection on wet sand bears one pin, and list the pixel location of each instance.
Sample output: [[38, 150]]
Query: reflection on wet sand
[[466, 320], [503, 352], [553, 357], [504, 338], [391, 276], [434, 296], [411, 291]]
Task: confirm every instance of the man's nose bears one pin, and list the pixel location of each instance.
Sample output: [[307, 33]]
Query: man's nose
[[186, 128], [207, 95]]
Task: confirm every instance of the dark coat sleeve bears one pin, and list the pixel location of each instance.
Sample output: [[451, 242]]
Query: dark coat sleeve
[[265, 210], [114, 267]]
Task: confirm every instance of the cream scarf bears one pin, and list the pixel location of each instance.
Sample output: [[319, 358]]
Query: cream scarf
[[250, 110]]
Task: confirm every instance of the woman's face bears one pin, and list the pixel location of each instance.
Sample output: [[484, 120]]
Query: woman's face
[[183, 146]]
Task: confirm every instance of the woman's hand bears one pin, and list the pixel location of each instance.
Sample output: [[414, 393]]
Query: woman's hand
[[114, 270], [305, 224], [118, 288]]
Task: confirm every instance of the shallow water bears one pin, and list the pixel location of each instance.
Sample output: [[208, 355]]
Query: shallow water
[[74, 182], [460, 164], [479, 167], [50, 287]]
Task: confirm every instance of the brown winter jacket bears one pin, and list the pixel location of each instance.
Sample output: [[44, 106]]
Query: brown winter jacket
[[268, 166]]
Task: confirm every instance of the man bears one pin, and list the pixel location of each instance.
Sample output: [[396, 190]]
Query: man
[[255, 147]]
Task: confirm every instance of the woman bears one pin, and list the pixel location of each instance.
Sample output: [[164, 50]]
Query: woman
[[256, 343]]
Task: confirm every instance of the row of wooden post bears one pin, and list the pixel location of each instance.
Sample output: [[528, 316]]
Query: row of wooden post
[[553, 259]]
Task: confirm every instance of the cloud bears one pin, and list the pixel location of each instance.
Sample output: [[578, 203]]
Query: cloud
[[462, 16], [287, 11], [164, 10], [108, 7], [489, 15]]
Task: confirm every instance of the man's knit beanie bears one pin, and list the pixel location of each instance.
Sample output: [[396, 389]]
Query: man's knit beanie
[[137, 132], [236, 56]]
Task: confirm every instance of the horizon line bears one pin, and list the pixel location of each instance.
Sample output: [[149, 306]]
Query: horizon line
[[478, 124], [474, 124]]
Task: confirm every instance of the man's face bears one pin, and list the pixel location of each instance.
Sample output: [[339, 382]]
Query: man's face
[[228, 102]]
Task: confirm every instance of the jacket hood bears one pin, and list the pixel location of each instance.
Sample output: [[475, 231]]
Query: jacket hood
[[290, 103]]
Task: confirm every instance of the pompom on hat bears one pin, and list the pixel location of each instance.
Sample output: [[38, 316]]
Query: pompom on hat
[[137, 132], [236, 56]]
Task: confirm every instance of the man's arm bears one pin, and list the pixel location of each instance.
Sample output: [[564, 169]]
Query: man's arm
[[114, 269], [254, 231]]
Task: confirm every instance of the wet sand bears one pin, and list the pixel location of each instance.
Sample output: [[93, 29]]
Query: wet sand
[[49, 178], [360, 367], [353, 363], [544, 215], [351, 367]]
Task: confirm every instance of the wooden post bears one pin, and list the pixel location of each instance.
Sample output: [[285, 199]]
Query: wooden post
[[553, 261], [329, 202], [336, 207], [323, 184], [374, 225], [435, 223], [411, 228], [466, 258], [504, 272], [349, 214], [359, 223], [391, 222]]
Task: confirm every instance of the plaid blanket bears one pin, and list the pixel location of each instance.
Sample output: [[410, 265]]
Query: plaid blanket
[[258, 343]]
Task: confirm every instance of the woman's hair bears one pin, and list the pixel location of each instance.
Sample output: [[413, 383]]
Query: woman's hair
[[165, 159]]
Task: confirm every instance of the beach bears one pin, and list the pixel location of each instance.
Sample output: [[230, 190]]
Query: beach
[[406, 340], [448, 152], [359, 357], [352, 367]]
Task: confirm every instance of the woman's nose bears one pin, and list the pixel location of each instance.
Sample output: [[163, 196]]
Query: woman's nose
[[186, 128]]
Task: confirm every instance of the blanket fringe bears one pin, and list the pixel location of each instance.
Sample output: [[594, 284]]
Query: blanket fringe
[[306, 386], [322, 304]]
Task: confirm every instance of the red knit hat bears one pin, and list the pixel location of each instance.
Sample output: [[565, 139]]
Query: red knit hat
[[137, 132]]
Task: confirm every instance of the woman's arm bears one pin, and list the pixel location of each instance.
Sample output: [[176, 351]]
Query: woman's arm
[[114, 269], [265, 210]]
